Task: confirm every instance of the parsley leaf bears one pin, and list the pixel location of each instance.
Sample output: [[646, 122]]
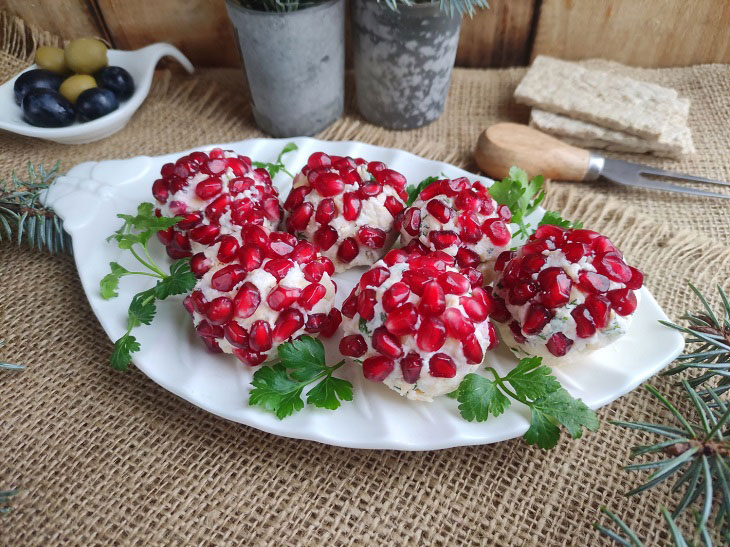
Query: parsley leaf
[[363, 326], [110, 282], [180, 281], [530, 383], [279, 389], [142, 309], [278, 165], [551, 217], [123, 348], [413, 191], [520, 195]]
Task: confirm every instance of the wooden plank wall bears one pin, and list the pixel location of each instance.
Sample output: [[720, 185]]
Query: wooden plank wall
[[512, 32]]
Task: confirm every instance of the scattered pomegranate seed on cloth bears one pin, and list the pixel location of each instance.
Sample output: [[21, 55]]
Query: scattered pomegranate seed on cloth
[[563, 294], [346, 208]]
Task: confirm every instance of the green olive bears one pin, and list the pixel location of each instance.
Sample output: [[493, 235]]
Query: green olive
[[85, 55], [51, 58], [75, 85]]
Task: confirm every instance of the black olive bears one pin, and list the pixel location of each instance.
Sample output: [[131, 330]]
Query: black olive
[[95, 103], [46, 108], [35, 79], [117, 79]]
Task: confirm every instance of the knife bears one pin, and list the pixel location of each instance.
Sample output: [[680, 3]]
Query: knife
[[506, 144]]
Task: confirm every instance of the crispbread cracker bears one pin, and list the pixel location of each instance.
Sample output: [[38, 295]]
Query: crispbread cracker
[[675, 143], [609, 100]]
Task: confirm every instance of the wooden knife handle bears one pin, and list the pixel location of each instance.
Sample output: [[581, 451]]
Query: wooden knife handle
[[506, 144]]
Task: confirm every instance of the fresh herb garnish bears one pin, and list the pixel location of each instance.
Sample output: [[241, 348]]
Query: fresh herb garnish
[[134, 236], [279, 388], [274, 168], [551, 217], [520, 195], [363, 326], [413, 191], [532, 384]]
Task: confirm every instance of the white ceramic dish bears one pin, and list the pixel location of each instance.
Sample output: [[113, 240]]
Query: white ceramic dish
[[91, 195], [139, 63]]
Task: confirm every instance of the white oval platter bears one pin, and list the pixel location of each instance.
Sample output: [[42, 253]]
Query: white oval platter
[[88, 199]]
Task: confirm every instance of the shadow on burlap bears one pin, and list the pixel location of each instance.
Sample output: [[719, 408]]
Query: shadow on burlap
[[109, 458]]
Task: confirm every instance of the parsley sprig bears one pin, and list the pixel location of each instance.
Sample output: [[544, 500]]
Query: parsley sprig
[[521, 195], [135, 236], [274, 168], [279, 388], [551, 217], [532, 384]]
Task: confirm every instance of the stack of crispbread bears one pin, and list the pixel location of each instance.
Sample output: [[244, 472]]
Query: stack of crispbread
[[597, 109]]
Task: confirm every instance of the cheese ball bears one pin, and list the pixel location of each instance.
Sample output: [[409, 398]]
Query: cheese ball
[[346, 208], [416, 324], [564, 294]]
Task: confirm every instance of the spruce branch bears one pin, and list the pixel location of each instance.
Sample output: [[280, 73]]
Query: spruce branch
[[22, 216]]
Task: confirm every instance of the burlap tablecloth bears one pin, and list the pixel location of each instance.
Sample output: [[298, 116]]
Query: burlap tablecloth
[[108, 458]]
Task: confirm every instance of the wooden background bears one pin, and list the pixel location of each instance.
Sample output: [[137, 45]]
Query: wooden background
[[654, 33]]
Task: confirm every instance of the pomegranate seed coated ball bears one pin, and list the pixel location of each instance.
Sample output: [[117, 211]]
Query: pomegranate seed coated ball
[[565, 292], [269, 290], [461, 219], [417, 323], [217, 193], [345, 207]]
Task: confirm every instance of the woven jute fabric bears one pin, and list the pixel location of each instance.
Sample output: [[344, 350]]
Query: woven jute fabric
[[106, 458]]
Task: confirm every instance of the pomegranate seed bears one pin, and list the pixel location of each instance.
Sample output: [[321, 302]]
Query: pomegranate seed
[[395, 295], [488, 206], [348, 250], [250, 257], [386, 344], [198, 300], [190, 221], [412, 221], [498, 310], [282, 297], [289, 321], [299, 218], [442, 366], [434, 262], [374, 238], [502, 259], [351, 206], [353, 346], [313, 272], [433, 301], [442, 239], [328, 184], [592, 282], [377, 368], [312, 293], [439, 210], [536, 248], [303, 253], [249, 357], [236, 335], [431, 190], [396, 256], [375, 167], [374, 277], [584, 325], [416, 280], [227, 277], [537, 317], [167, 170], [497, 232], [431, 334], [206, 330], [468, 200], [550, 231], [555, 286], [600, 309], [470, 231], [329, 267], [326, 211], [473, 276], [366, 304], [521, 292], [612, 266], [217, 207], [165, 236], [575, 251], [410, 367], [474, 309], [199, 265], [349, 306], [583, 236], [623, 301], [325, 237], [278, 267], [393, 205], [559, 344], [456, 283], [247, 300], [205, 234], [228, 249], [457, 326], [315, 322], [637, 279], [178, 208], [402, 320], [160, 191], [514, 327], [493, 340], [466, 258], [319, 159], [271, 208], [533, 263], [296, 197], [188, 304], [370, 188], [472, 350], [259, 337], [220, 310], [208, 188], [504, 213], [603, 245], [281, 244], [391, 178], [238, 185], [255, 235], [334, 318]]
